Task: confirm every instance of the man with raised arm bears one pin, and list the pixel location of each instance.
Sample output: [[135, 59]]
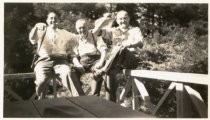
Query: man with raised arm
[[125, 39], [54, 51]]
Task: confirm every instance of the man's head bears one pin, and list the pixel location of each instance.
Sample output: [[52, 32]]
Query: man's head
[[123, 19], [81, 27], [52, 19]]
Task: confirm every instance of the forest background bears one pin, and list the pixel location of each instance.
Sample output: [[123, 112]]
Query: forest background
[[175, 38]]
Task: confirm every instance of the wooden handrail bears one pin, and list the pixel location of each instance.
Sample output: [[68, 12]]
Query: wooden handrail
[[170, 76], [19, 76], [178, 80], [161, 75]]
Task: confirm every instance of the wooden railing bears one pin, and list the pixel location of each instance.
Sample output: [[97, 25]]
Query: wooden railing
[[177, 80], [20, 76]]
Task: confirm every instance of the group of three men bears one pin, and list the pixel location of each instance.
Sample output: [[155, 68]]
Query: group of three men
[[87, 51]]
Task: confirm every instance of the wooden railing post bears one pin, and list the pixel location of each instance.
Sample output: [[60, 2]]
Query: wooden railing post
[[180, 99], [198, 101], [107, 87], [125, 90], [135, 101]]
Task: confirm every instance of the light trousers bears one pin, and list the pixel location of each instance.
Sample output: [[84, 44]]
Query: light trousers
[[46, 70]]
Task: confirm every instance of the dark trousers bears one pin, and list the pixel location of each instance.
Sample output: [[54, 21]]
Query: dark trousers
[[88, 61], [124, 59]]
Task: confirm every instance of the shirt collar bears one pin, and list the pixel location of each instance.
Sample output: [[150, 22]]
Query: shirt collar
[[123, 31]]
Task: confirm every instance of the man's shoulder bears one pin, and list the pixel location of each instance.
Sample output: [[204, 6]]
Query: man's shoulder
[[134, 28], [63, 31]]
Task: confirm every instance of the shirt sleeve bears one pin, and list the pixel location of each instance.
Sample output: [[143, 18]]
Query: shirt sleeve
[[33, 38], [138, 35], [106, 33], [72, 44], [101, 45]]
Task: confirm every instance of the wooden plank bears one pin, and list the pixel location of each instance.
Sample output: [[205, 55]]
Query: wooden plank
[[107, 87], [20, 110], [142, 90], [60, 107], [125, 90], [145, 95], [188, 108], [198, 101], [19, 76], [135, 101], [170, 76], [179, 99], [9, 90], [106, 109], [162, 100]]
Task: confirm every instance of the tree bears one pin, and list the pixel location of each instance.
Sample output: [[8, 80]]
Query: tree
[[17, 48]]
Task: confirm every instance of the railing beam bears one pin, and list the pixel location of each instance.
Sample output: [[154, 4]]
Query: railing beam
[[125, 90], [170, 88], [180, 100], [170, 76], [17, 97], [198, 101], [19, 76], [135, 101]]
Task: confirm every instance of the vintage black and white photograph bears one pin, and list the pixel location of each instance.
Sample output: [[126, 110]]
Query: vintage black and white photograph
[[105, 60]]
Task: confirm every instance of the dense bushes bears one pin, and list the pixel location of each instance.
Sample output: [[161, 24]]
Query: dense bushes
[[180, 50]]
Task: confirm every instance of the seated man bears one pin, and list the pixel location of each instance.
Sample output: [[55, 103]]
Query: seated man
[[125, 39], [91, 51], [54, 47]]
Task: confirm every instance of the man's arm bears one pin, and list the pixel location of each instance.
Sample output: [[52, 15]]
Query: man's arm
[[75, 56], [33, 38], [102, 48], [137, 40], [37, 32], [101, 61], [78, 65], [102, 22]]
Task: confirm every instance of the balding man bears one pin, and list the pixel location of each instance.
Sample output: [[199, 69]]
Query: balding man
[[125, 39]]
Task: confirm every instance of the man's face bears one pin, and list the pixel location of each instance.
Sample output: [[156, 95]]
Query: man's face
[[123, 20], [81, 28], [51, 19]]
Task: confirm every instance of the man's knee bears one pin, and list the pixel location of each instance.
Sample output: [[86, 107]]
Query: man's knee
[[64, 70]]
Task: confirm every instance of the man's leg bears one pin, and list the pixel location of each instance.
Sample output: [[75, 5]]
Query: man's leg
[[96, 84], [69, 79], [43, 72], [114, 83]]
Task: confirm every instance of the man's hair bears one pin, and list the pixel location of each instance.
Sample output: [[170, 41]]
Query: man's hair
[[122, 11], [52, 11], [81, 20]]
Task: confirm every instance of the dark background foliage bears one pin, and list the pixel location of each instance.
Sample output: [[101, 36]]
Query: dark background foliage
[[175, 37]]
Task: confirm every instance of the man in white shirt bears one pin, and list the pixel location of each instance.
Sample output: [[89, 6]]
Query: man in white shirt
[[125, 39], [54, 47], [91, 51]]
